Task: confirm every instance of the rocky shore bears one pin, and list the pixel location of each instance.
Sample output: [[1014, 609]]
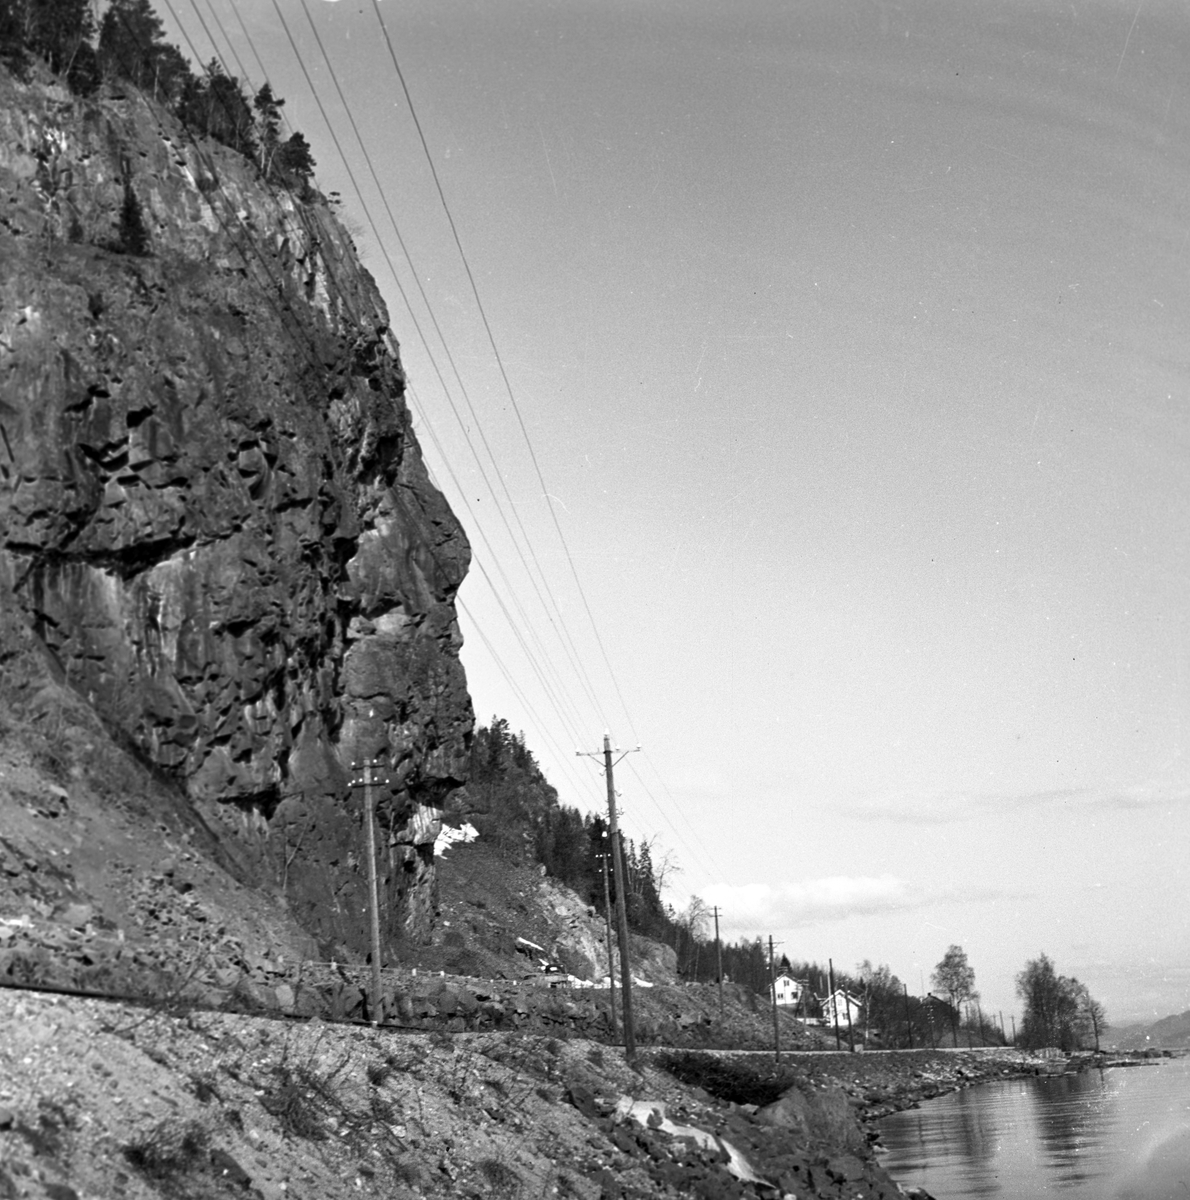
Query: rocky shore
[[881, 1083], [99, 1099]]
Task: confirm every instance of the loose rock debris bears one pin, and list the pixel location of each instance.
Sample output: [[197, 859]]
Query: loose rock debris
[[100, 1099]]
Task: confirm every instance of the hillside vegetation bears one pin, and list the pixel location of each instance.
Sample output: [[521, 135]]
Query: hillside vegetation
[[128, 46]]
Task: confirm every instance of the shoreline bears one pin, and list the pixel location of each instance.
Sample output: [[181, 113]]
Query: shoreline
[[879, 1083]]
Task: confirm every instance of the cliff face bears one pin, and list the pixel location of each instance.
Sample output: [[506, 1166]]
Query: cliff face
[[214, 516]]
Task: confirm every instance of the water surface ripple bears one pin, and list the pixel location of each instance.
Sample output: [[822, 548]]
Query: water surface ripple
[[1118, 1134]]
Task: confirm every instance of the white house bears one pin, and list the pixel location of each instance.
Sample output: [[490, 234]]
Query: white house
[[789, 990], [844, 1004]]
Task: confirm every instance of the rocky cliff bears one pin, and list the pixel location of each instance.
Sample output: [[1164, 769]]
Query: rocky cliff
[[215, 524]]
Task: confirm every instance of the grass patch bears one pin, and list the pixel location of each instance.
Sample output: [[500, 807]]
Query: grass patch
[[302, 1097], [298, 1097], [47, 1136], [499, 1175], [378, 1073], [202, 1084]]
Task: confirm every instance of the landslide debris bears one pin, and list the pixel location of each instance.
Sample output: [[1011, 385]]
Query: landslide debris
[[100, 1099]]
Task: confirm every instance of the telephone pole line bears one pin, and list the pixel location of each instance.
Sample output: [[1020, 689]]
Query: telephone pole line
[[834, 1001], [611, 962], [719, 960], [621, 879], [773, 989], [376, 1006]]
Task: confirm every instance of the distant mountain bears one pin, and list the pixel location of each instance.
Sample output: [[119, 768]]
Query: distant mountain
[[1170, 1033]]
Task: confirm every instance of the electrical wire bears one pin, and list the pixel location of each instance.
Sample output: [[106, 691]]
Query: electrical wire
[[500, 363], [557, 698], [573, 654], [575, 663], [355, 184]]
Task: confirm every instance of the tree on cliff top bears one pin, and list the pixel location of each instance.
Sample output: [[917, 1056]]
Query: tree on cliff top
[[132, 46], [287, 161], [129, 45], [955, 978], [57, 31]]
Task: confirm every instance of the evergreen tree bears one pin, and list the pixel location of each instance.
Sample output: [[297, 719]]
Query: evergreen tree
[[217, 107], [133, 237], [268, 119], [131, 39], [294, 163], [131, 46], [57, 31], [12, 35]]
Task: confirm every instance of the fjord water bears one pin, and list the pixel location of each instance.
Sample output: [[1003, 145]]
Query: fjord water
[[1116, 1134]]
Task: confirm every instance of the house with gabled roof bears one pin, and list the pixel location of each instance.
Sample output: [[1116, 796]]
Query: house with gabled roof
[[789, 991], [846, 1005]]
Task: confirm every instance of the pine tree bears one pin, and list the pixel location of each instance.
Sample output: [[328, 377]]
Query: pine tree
[[268, 119], [294, 161], [57, 31], [131, 38]]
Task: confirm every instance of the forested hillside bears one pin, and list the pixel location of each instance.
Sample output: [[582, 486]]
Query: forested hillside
[[513, 805], [515, 808], [128, 45]]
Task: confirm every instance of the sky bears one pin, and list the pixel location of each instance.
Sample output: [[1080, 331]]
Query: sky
[[812, 378]]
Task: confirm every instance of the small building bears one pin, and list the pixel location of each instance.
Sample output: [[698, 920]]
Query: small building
[[789, 990], [845, 1005]]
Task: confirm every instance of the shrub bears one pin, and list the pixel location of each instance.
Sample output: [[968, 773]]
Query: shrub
[[378, 1073], [499, 1175], [742, 1082], [297, 1097], [171, 1147]]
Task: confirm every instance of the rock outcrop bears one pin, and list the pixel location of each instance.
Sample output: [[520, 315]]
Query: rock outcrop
[[214, 517]]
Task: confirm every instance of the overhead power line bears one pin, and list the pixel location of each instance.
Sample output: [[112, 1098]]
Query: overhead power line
[[568, 645], [526, 624], [500, 364], [557, 698]]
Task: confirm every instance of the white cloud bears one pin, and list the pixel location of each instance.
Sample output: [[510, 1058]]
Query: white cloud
[[944, 808], [781, 905]]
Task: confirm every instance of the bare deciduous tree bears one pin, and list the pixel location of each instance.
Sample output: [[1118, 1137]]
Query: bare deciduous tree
[[955, 978]]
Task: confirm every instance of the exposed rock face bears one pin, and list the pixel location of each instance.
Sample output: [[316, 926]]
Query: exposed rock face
[[213, 512]]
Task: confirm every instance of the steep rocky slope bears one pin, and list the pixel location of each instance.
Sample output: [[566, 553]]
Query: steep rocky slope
[[223, 570], [99, 1100]]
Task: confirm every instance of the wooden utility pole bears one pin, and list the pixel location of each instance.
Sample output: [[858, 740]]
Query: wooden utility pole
[[773, 987], [908, 1022], [376, 1007], [834, 1001], [719, 961], [611, 962], [621, 881]]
